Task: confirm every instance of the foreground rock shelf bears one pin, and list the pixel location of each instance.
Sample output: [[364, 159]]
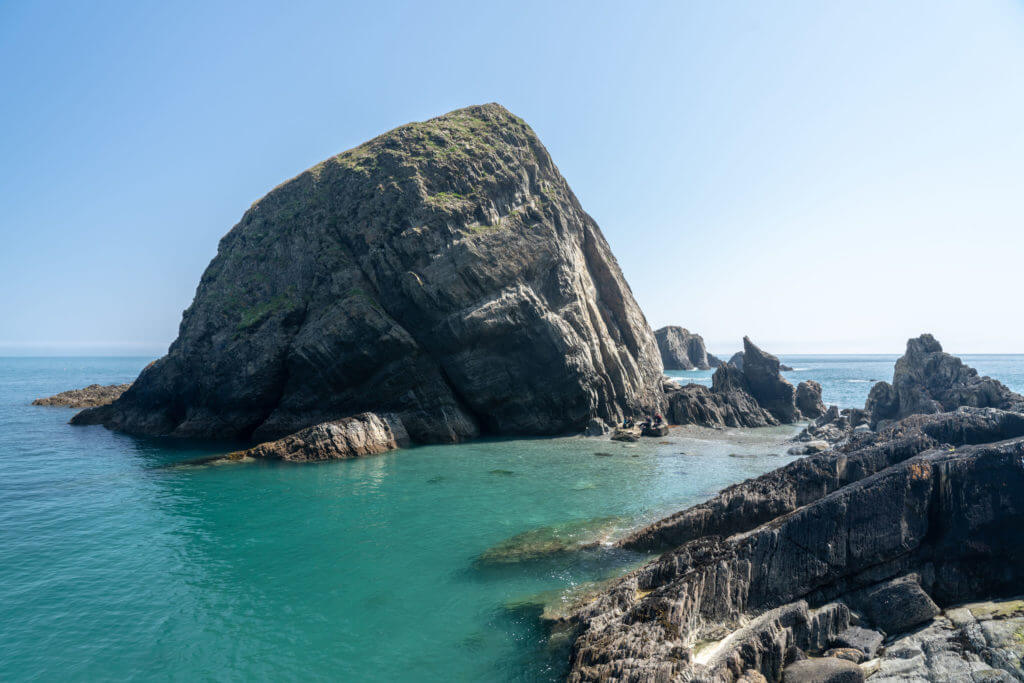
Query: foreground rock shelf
[[850, 564]]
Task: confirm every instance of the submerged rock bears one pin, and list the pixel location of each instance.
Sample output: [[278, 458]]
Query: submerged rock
[[928, 380], [443, 272], [350, 437], [550, 540], [683, 350], [91, 396]]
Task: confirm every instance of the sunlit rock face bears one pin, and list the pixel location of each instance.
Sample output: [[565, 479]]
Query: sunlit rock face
[[442, 274]]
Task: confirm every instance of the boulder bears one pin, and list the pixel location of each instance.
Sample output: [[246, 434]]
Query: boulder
[[596, 427], [863, 640], [808, 399], [823, 670], [895, 606], [351, 437], [928, 380], [808, 447], [443, 272], [683, 350]]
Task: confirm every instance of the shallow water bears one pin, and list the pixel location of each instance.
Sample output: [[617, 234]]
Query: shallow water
[[420, 565]]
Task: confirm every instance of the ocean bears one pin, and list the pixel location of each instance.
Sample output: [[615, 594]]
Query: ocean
[[124, 559]]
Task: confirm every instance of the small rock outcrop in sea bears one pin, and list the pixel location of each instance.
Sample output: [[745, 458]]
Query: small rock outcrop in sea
[[89, 397], [443, 273], [844, 557], [808, 399], [683, 350], [737, 361], [350, 437], [751, 394], [928, 380]]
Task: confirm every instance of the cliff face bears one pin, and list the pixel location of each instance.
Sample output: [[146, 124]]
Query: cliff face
[[443, 273]]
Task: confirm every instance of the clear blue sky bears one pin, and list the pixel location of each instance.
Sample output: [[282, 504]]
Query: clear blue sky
[[824, 176]]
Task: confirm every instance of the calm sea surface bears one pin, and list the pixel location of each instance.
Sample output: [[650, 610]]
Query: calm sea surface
[[119, 560]]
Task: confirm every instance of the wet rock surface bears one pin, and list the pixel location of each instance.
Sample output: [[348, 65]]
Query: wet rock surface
[[443, 272], [91, 396]]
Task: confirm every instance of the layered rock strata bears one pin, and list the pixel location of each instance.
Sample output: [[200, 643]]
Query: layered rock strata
[[443, 273]]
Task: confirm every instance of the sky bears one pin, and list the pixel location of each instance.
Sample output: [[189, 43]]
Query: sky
[[824, 177]]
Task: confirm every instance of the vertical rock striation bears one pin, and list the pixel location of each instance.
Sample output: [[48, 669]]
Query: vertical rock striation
[[443, 274]]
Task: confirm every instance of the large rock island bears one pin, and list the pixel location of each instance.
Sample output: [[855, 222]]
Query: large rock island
[[442, 275]]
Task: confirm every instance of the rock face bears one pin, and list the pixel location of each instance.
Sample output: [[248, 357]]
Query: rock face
[[682, 350], [350, 437], [89, 397], [791, 556], [927, 380], [443, 273], [742, 395], [808, 399], [764, 383]]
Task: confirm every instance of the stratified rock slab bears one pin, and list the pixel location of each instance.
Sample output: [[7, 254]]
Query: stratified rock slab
[[350, 437], [89, 397]]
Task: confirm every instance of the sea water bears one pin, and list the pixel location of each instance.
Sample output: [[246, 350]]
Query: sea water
[[126, 558]]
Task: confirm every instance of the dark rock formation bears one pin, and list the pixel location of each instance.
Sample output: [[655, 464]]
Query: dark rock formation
[[350, 437], [756, 397], [894, 606], [596, 427], [695, 404], [682, 350], [808, 399], [743, 506], [764, 383], [89, 397], [443, 273], [949, 514], [737, 360], [927, 380]]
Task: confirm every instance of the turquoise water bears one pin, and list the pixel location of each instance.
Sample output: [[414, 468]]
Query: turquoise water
[[121, 560]]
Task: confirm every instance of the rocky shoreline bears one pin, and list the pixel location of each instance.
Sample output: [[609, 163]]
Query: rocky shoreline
[[820, 570]]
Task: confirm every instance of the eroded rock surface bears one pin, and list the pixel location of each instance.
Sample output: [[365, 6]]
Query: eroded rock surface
[[91, 396], [443, 272], [350, 437], [928, 380], [683, 350], [916, 503]]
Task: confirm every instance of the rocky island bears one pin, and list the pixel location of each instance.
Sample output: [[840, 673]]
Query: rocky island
[[683, 350], [442, 276]]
